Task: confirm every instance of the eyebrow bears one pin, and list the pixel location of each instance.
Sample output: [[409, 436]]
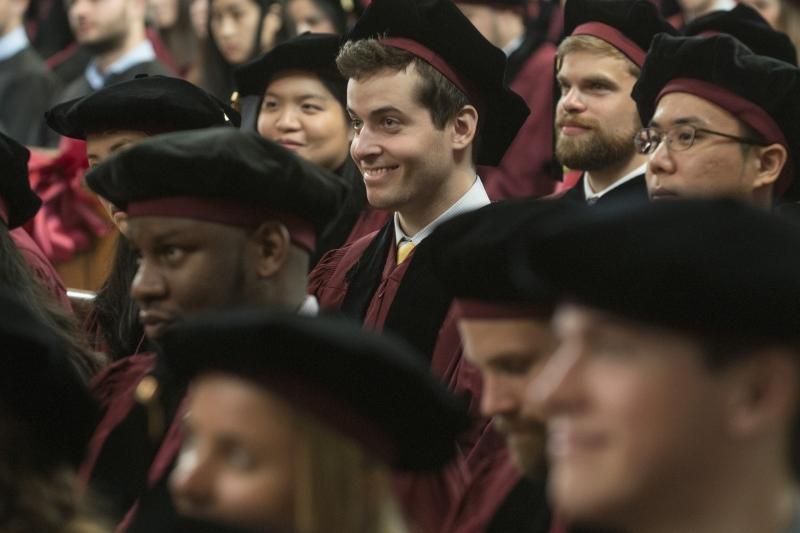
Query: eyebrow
[[378, 112], [300, 97], [691, 120]]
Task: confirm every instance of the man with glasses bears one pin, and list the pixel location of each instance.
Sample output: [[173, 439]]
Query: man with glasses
[[722, 121]]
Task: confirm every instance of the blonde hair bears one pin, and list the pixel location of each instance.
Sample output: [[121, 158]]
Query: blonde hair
[[339, 486], [593, 45]]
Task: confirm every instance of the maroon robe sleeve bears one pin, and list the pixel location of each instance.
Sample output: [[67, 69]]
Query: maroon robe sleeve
[[526, 169], [115, 389], [41, 267], [369, 222]]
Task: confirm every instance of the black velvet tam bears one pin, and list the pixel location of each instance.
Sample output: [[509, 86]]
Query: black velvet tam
[[473, 251], [628, 25], [747, 25], [21, 203], [714, 268], [152, 104], [240, 169], [429, 28], [372, 388]]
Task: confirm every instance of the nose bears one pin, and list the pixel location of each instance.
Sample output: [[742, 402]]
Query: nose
[[227, 28], [659, 163], [192, 482], [364, 146], [557, 387], [571, 101], [497, 397], [287, 120], [148, 284], [78, 8]]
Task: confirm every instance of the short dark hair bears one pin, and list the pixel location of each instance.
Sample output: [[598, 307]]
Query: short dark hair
[[364, 58]]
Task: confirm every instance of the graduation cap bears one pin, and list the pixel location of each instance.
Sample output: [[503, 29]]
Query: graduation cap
[[496, 3], [309, 52], [747, 25], [152, 104], [18, 202], [473, 254], [627, 25], [437, 32], [221, 175], [40, 388], [715, 268], [761, 91], [373, 388]]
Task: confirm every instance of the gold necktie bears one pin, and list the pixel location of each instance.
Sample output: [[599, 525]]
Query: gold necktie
[[403, 250]]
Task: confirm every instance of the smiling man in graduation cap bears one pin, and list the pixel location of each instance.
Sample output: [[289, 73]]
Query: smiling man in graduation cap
[[428, 101]]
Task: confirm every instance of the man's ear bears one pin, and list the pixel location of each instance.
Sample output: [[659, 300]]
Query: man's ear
[[763, 393], [465, 127], [272, 244], [770, 161]]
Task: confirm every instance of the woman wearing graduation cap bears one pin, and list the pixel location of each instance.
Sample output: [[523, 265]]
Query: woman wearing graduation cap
[[293, 422], [294, 95]]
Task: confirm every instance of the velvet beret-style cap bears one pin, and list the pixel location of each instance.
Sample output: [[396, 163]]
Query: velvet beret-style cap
[[437, 32], [714, 268], [152, 104], [372, 388], [18, 202], [221, 175], [628, 25], [747, 25], [473, 258]]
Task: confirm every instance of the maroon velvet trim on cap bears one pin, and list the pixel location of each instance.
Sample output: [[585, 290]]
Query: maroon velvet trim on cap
[[228, 212], [437, 62], [743, 109], [615, 38], [329, 410], [477, 309], [3, 211]]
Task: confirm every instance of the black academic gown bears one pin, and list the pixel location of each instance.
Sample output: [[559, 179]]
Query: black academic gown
[[26, 89], [633, 190]]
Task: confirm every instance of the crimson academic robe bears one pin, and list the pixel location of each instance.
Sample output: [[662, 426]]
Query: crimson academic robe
[[363, 281], [41, 267], [527, 168]]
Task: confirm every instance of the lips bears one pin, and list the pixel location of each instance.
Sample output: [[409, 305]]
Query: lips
[[663, 194], [377, 173], [290, 144], [563, 443], [154, 321]]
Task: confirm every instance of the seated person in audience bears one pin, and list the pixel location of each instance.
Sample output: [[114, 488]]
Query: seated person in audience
[[220, 218], [24, 267], [721, 121], [46, 418], [26, 84], [110, 120], [295, 96], [672, 399], [506, 334], [294, 422], [596, 67], [317, 16]]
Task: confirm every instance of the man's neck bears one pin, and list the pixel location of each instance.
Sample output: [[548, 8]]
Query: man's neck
[[134, 39], [415, 217], [5, 30], [600, 180]]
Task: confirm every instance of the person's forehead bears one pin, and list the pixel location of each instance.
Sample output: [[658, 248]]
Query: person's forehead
[[680, 106], [144, 229], [505, 336], [385, 89], [584, 63]]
